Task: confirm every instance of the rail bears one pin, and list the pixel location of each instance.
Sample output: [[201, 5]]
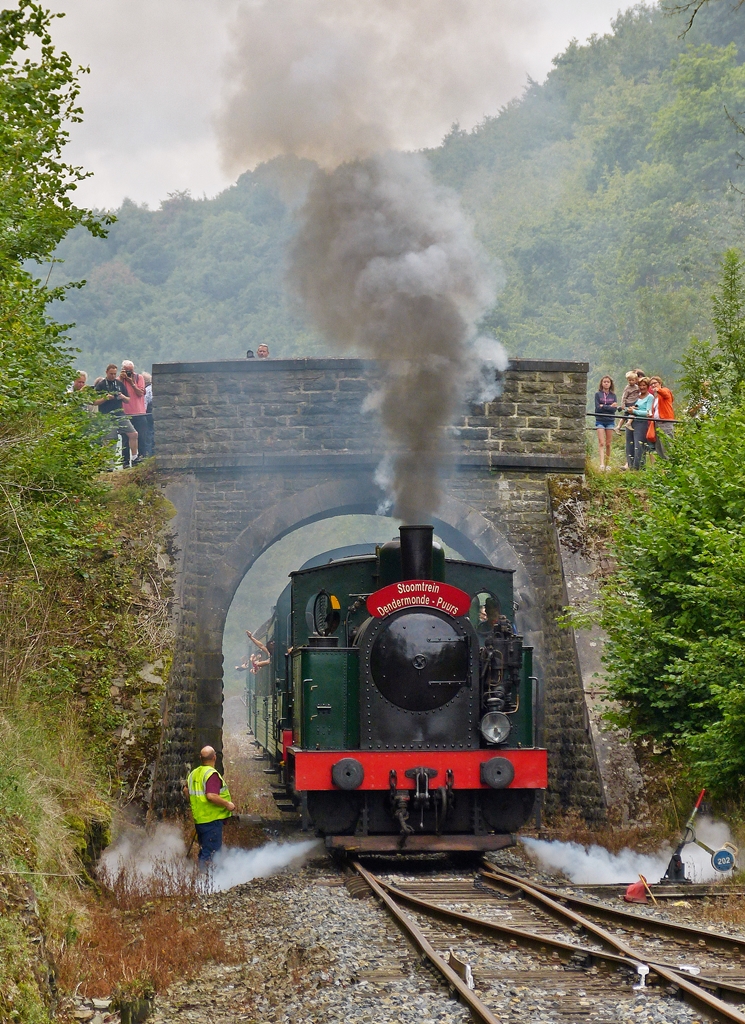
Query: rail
[[540, 943], [626, 918], [618, 952], [631, 416], [479, 1009], [693, 992]]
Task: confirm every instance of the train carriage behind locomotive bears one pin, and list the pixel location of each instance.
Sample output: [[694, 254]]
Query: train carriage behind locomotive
[[400, 700]]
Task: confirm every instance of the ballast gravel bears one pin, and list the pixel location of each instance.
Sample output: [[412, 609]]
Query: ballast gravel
[[305, 951], [310, 952]]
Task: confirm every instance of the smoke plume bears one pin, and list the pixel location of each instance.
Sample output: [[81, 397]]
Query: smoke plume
[[338, 80], [386, 265], [596, 865], [384, 262]]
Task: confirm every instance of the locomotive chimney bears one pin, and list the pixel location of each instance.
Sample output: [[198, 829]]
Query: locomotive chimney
[[416, 552]]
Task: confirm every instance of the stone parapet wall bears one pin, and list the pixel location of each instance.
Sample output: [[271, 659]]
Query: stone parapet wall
[[251, 412], [540, 410]]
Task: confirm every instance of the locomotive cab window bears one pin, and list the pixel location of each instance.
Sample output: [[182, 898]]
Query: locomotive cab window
[[485, 612], [323, 613]]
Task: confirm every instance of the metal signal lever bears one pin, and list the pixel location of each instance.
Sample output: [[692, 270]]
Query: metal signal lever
[[676, 871]]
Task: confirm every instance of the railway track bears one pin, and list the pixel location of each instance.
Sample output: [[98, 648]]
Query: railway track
[[573, 958]]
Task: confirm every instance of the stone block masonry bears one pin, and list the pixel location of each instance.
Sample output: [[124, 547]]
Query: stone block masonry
[[249, 450]]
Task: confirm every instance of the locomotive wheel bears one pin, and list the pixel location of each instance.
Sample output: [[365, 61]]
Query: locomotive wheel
[[334, 813], [507, 810]]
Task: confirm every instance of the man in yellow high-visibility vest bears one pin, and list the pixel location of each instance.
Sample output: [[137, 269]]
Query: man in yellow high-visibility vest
[[210, 804]]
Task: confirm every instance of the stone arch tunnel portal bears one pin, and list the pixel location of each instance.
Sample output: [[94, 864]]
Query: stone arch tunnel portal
[[249, 452]]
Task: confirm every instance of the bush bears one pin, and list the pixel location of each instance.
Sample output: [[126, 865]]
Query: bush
[[675, 611]]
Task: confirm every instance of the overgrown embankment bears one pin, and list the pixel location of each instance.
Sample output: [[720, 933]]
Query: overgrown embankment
[[85, 653]]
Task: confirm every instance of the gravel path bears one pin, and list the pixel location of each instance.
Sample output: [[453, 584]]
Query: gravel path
[[303, 950]]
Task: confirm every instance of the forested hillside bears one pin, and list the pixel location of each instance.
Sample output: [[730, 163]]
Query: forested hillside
[[610, 191], [607, 194]]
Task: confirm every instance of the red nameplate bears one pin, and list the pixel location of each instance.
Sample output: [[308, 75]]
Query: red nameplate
[[418, 594]]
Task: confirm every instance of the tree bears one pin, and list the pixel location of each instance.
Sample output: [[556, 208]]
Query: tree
[[49, 458], [691, 8], [714, 374], [38, 97]]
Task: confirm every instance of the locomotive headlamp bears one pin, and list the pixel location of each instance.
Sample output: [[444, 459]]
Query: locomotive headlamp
[[495, 727]]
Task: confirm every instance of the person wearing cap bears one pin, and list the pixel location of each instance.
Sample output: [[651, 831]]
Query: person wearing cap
[[210, 802], [628, 400]]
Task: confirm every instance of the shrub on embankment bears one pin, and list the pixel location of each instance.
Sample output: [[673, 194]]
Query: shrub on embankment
[[674, 609]]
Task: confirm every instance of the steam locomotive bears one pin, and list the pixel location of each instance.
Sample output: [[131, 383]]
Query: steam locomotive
[[398, 702]]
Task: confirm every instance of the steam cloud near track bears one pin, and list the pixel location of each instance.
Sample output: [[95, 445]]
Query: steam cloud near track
[[596, 865], [161, 856], [385, 262]]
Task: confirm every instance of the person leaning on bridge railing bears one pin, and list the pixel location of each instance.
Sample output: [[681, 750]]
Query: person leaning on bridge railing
[[113, 398], [134, 385], [662, 414], [628, 400], [642, 412]]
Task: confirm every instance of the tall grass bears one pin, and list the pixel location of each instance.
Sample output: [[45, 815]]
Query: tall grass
[[145, 931], [48, 791], [49, 803]]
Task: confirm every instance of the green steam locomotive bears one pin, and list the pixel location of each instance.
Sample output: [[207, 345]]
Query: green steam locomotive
[[397, 700]]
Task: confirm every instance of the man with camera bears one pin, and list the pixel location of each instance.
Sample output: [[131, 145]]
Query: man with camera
[[114, 397], [134, 387]]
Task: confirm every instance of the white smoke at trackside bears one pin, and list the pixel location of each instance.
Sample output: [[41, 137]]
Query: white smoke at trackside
[[595, 864], [161, 857], [233, 866], [143, 852], [598, 866]]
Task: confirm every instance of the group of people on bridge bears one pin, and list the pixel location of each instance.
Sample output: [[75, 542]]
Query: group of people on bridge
[[126, 399], [644, 415]]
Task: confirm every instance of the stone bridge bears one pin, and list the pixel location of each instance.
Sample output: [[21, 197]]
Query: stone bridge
[[250, 450]]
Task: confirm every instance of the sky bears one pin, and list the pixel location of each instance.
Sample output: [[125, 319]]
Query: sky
[[159, 81]]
